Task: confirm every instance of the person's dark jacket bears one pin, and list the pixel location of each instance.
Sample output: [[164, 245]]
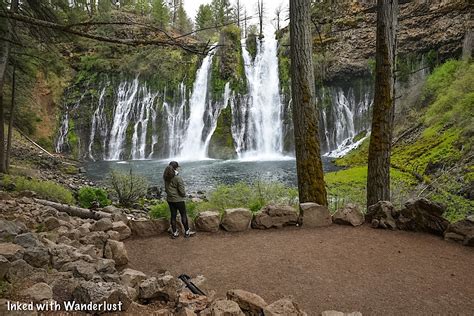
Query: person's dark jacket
[[175, 190]]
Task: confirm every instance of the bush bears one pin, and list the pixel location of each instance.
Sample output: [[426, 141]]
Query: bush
[[44, 189], [88, 195], [253, 196], [161, 210], [127, 187]]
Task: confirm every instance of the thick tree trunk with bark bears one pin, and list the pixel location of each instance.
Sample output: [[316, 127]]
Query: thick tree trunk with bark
[[10, 123], [309, 167], [378, 177], [74, 210]]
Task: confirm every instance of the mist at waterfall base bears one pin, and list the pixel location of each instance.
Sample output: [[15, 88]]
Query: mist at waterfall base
[[205, 175]]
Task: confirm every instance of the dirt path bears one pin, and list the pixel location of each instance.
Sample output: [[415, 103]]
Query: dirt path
[[375, 272]]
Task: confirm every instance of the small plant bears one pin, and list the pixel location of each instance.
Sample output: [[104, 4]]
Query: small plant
[[88, 195], [160, 210], [128, 187]]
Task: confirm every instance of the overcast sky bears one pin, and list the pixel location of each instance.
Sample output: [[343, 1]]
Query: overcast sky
[[192, 6]]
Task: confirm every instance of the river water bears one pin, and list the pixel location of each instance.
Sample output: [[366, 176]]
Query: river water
[[204, 175]]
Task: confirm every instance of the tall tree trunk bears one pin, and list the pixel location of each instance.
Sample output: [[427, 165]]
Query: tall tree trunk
[[10, 123], [309, 167], [4, 59], [378, 177]]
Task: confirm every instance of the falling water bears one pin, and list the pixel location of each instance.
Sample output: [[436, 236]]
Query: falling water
[[194, 146], [61, 142], [99, 123], [144, 105], [175, 121], [262, 132]]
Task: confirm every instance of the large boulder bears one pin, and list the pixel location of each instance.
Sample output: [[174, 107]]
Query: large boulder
[[28, 240], [207, 221], [38, 292], [98, 293], [284, 306], [11, 251], [63, 289], [103, 224], [315, 215], [4, 266], [462, 232], [81, 269], [193, 302], [275, 216], [424, 216], [122, 229], [236, 219], [116, 250], [349, 215], [164, 288], [382, 215], [225, 308], [9, 229], [148, 227], [37, 256], [132, 278], [249, 303]]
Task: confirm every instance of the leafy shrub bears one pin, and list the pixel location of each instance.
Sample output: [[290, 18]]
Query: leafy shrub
[[160, 210], [88, 195], [128, 187], [48, 190], [253, 196]]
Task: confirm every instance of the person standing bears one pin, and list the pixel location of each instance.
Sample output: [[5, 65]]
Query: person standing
[[175, 196]]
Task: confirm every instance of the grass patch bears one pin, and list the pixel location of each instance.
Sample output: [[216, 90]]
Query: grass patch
[[161, 210], [48, 190]]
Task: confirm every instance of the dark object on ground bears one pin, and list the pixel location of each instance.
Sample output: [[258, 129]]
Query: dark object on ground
[[462, 231], [423, 215], [190, 285], [382, 215]]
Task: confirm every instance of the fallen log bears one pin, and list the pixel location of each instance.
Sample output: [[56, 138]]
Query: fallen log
[[74, 210]]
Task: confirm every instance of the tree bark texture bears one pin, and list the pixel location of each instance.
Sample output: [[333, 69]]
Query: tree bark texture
[[378, 177], [309, 167], [10, 123], [74, 210]]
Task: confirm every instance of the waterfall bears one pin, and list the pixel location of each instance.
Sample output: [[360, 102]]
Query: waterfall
[[144, 106], [125, 102], [194, 145], [63, 130], [175, 121], [262, 133], [99, 124]]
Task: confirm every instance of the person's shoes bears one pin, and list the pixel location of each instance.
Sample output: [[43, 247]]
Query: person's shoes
[[175, 235], [189, 233]]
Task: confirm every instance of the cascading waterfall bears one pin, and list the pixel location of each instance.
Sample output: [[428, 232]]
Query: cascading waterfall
[[144, 106], [261, 134], [99, 124], [194, 145], [61, 142], [175, 122]]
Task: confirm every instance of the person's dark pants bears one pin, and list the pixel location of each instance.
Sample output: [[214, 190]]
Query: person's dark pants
[[174, 208]]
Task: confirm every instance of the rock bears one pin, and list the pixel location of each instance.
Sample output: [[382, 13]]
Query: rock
[[96, 293], [63, 289], [349, 215], [5, 196], [123, 230], [275, 216], [28, 240], [225, 308], [80, 269], [185, 312], [111, 209], [4, 266], [9, 229], [113, 235], [38, 292], [164, 288], [249, 303], [116, 250], [462, 232], [384, 215], [103, 224], [4, 309], [11, 251], [315, 215], [284, 306], [336, 313], [208, 221], [148, 227], [132, 278], [18, 270], [98, 239], [470, 218], [424, 216], [194, 302], [51, 223], [236, 219], [37, 257]]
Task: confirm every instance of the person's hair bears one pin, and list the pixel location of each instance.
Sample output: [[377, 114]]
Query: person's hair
[[174, 164], [168, 174]]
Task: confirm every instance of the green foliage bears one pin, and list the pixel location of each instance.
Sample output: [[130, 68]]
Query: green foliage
[[221, 11], [204, 19], [5, 289], [88, 195], [441, 78], [160, 13], [160, 210], [128, 187], [253, 196], [44, 189]]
